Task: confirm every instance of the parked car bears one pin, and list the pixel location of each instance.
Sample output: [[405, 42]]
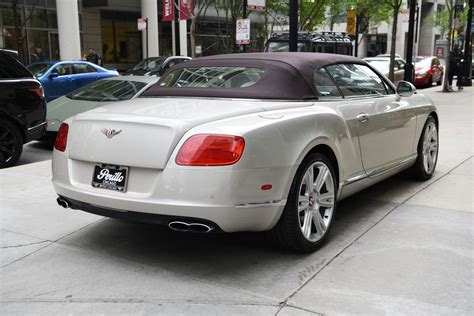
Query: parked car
[[246, 142], [316, 42], [382, 64], [94, 95], [60, 78], [155, 66], [428, 69], [22, 109]]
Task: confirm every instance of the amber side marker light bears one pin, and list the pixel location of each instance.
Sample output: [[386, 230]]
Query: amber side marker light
[[61, 139], [211, 150]]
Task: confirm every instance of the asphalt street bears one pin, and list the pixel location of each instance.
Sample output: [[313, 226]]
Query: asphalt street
[[400, 247]]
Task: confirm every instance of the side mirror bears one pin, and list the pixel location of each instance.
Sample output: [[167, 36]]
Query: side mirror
[[53, 74], [405, 89]]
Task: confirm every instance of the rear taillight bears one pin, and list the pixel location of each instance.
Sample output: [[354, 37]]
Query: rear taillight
[[211, 150], [61, 138], [38, 91]]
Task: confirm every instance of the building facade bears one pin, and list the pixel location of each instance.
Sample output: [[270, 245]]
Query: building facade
[[378, 39]]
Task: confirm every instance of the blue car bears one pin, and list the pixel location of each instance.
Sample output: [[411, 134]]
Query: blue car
[[60, 78]]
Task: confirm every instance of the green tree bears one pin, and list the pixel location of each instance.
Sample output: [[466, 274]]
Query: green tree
[[395, 6]]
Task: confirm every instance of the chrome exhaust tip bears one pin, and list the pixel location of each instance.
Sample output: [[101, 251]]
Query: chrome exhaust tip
[[63, 202], [190, 227]]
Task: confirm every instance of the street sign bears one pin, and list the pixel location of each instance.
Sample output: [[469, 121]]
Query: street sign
[[198, 50], [242, 33], [351, 23], [256, 5], [141, 23]]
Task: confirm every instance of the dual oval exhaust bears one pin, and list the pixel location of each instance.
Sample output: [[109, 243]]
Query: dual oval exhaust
[[190, 227], [174, 225]]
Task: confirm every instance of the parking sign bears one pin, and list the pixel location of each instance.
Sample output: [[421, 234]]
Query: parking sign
[[242, 33]]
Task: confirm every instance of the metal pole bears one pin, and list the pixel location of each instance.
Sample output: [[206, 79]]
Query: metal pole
[[146, 35], [409, 53], [467, 82], [244, 16], [293, 44]]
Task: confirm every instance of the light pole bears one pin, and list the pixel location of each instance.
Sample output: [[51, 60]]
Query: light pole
[[293, 42], [467, 82], [411, 35]]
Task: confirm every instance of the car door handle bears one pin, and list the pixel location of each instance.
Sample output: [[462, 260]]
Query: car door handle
[[363, 117]]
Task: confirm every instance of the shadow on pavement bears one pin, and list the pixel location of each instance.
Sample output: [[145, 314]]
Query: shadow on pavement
[[233, 258]]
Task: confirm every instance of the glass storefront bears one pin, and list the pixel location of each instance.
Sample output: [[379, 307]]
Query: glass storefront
[[121, 41], [34, 33]]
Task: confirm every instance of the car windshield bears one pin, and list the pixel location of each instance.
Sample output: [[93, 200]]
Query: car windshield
[[149, 64], [108, 90], [213, 77], [39, 69], [380, 65], [284, 47], [423, 62]]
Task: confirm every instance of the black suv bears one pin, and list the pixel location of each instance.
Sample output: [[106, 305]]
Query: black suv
[[22, 109]]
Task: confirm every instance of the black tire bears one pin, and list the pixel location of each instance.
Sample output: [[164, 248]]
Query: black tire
[[11, 144], [419, 170], [287, 233]]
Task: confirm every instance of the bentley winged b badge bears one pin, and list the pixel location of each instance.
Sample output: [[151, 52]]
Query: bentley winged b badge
[[110, 132]]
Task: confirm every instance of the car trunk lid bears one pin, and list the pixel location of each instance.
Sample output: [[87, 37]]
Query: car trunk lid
[[144, 132]]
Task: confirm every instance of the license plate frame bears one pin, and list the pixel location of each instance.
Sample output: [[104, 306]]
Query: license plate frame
[[110, 179]]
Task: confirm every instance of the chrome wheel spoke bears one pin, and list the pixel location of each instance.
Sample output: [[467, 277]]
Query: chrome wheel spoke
[[319, 223], [309, 179], [326, 200], [321, 179], [307, 224], [303, 203]]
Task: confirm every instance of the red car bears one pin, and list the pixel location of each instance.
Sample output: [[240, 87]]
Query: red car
[[428, 70]]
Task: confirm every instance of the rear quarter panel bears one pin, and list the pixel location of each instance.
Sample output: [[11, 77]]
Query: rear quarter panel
[[283, 138]]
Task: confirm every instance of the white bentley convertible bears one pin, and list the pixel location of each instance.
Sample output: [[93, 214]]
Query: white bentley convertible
[[248, 142]]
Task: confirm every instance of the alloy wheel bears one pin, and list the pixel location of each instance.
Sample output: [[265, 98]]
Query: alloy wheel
[[430, 147], [7, 145], [316, 201]]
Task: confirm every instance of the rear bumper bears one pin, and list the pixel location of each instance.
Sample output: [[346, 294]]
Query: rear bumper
[[35, 132], [231, 199], [136, 216]]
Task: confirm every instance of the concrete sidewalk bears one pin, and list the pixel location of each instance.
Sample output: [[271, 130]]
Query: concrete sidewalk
[[400, 247]]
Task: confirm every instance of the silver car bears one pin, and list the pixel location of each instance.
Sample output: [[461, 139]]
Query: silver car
[[247, 142]]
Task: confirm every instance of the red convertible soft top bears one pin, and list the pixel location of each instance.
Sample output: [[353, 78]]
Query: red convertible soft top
[[287, 76]]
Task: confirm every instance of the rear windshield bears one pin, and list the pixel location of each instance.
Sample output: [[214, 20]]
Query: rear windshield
[[212, 77], [10, 68], [107, 91], [39, 69]]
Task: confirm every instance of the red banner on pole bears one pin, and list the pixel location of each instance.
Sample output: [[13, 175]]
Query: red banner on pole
[[168, 10], [185, 9]]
